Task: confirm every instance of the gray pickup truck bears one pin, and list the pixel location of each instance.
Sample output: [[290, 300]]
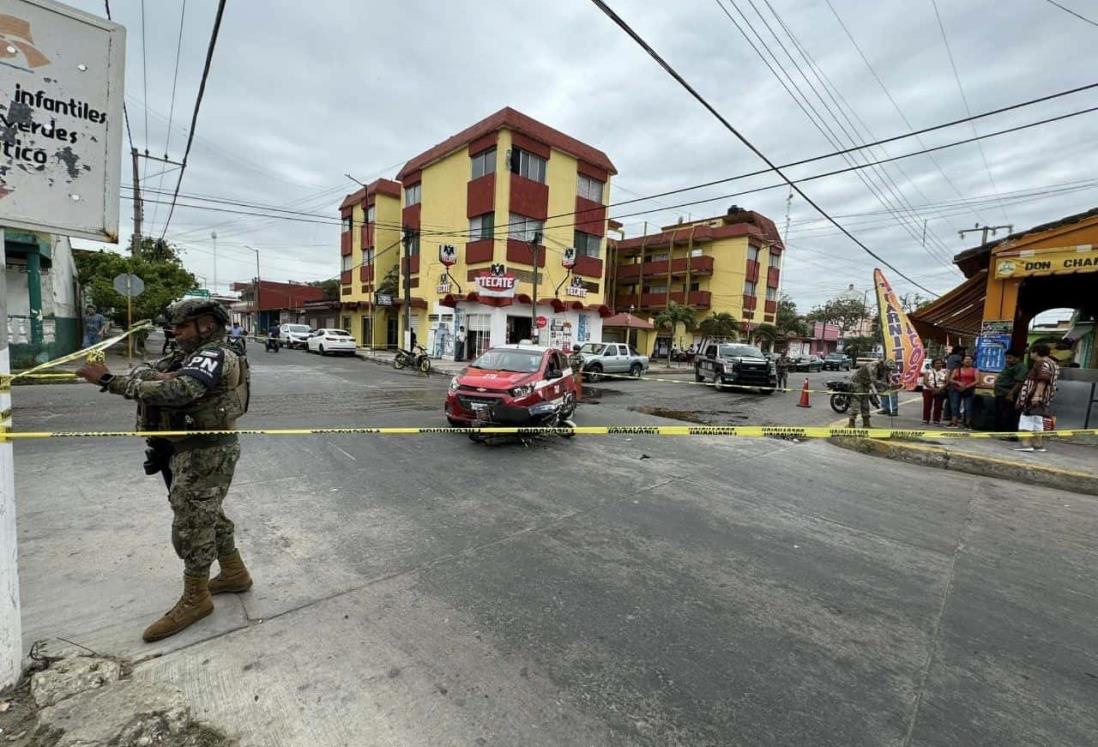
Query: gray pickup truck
[[734, 364], [601, 358]]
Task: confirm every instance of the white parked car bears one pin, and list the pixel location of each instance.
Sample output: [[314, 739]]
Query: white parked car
[[294, 335], [326, 341]]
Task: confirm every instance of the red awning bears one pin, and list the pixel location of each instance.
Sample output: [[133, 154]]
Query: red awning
[[522, 298], [625, 319], [958, 313], [603, 309], [556, 304]]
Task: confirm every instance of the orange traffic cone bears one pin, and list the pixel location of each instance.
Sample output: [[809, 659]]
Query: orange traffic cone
[[804, 395]]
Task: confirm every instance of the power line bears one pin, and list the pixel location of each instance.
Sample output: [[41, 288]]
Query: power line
[[1080, 16], [197, 105], [964, 98], [892, 100], [325, 219], [171, 107]]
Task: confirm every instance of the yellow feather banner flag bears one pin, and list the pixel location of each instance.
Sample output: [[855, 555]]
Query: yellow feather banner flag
[[901, 341]]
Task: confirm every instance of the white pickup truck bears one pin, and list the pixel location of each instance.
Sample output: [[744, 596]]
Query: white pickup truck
[[600, 358]]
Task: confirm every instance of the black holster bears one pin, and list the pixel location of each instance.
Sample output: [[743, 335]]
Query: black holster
[[158, 455]]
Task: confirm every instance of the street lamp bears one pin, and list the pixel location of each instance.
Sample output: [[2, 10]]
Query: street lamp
[[255, 301]]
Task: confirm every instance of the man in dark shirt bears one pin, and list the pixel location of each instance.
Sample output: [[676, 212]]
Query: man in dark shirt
[[1007, 384]]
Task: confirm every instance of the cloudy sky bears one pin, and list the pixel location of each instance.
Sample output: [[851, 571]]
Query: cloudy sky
[[300, 93]]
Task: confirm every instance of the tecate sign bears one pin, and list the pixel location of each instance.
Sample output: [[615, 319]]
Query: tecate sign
[[496, 283], [61, 74]]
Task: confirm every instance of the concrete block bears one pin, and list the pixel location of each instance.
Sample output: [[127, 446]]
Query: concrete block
[[72, 676], [129, 712]]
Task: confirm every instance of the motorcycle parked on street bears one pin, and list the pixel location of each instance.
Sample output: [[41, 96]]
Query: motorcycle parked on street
[[842, 394], [416, 358], [272, 344]]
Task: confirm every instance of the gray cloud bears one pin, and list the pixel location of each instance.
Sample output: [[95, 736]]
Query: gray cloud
[[302, 92]]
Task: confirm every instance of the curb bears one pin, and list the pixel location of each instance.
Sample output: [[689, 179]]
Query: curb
[[1004, 469], [389, 363]]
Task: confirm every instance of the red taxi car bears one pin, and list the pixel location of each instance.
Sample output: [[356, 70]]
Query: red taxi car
[[524, 376]]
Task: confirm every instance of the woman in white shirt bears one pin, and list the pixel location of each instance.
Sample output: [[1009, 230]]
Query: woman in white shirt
[[934, 391]]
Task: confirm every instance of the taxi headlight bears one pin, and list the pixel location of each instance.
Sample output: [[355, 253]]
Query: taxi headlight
[[522, 391]]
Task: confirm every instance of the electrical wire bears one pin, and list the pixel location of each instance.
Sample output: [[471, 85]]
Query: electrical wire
[[197, 106], [964, 98], [171, 107], [1080, 16]]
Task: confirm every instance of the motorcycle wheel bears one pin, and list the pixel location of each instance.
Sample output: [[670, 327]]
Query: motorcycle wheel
[[398, 362], [425, 364], [840, 403]]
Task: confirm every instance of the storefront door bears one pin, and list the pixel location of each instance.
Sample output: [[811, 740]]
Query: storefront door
[[391, 332], [518, 329]]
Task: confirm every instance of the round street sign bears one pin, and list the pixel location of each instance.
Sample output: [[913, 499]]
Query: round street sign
[[541, 322], [129, 284]]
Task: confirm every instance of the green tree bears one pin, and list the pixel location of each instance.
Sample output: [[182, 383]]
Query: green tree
[[765, 335], [787, 320], [720, 324], [157, 263], [329, 286], [856, 347], [674, 315], [846, 313], [388, 284]]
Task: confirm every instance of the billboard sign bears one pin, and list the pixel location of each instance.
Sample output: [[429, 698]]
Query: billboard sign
[[496, 282], [61, 74]]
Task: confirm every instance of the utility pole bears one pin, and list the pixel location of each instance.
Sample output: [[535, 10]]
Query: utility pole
[[138, 208], [11, 634], [985, 230], [257, 308], [788, 205], [213, 235], [534, 305], [409, 234]]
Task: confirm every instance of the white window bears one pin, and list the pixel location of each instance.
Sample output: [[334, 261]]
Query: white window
[[656, 289], [412, 194], [523, 228], [589, 188], [753, 253], [527, 164], [348, 222], [775, 260], [371, 213], [367, 257], [749, 288], [413, 250], [348, 263], [484, 163], [482, 226], [771, 294], [587, 244]]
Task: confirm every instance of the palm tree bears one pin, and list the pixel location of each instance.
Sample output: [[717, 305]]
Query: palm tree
[[765, 333], [721, 325], [674, 315]]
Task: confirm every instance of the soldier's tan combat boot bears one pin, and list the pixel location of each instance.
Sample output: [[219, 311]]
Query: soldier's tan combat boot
[[233, 578], [195, 604]]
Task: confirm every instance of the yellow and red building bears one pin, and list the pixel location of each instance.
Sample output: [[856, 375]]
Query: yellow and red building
[[487, 192], [726, 264], [369, 248]]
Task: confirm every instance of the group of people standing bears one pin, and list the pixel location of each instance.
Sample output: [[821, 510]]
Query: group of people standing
[[1023, 394]]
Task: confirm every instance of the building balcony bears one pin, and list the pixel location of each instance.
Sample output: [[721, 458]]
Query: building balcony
[[345, 277], [752, 274], [366, 273], [770, 307], [345, 243], [590, 267], [697, 266], [367, 232], [482, 250], [657, 301], [521, 253], [415, 265]]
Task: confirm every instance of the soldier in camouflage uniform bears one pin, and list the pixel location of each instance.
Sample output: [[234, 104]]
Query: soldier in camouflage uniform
[[203, 385], [873, 375]]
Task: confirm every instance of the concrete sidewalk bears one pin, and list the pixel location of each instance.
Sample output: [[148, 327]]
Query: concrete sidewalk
[[1068, 464]]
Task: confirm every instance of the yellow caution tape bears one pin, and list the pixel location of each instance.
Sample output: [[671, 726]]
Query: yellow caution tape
[[748, 431], [91, 354]]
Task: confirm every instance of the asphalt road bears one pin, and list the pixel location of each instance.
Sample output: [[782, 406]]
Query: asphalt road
[[600, 590]]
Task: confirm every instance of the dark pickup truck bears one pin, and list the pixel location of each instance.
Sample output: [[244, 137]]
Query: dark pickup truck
[[732, 364]]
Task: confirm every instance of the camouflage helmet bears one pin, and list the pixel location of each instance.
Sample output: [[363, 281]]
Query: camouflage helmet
[[190, 309], [889, 363]]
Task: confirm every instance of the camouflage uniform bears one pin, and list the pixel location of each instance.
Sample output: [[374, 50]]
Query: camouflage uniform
[[204, 389], [872, 374]]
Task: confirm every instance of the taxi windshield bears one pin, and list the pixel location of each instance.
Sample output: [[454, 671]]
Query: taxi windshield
[[517, 361]]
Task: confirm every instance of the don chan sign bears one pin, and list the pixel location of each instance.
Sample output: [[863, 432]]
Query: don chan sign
[[61, 76], [1055, 261]]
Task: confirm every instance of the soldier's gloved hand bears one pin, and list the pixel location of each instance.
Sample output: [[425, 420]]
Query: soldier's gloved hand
[[92, 372]]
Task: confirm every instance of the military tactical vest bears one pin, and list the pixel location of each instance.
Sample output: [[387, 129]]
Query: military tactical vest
[[218, 409]]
